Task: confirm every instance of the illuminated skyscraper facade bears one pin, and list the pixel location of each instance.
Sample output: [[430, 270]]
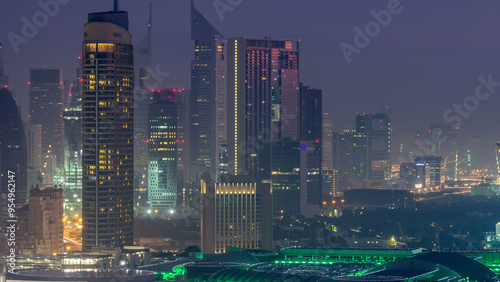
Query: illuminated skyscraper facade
[[162, 157], [263, 101], [377, 128], [108, 136], [208, 132]]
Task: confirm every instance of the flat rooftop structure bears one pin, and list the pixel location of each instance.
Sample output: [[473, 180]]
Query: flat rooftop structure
[[348, 254]]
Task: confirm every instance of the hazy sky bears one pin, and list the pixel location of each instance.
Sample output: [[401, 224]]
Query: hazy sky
[[426, 59]]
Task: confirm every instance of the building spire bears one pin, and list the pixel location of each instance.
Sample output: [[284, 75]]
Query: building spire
[[116, 5]]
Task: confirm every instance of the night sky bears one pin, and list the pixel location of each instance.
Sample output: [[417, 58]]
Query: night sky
[[426, 59]]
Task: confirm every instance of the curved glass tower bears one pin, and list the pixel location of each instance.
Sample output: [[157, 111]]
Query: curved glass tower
[[13, 155]]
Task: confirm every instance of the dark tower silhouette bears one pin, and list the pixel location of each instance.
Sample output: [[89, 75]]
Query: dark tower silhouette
[[13, 155]]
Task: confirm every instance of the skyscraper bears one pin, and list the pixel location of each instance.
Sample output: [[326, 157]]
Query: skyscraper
[[108, 137], [236, 213], [4, 79], [162, 157], [46, 106], [12, 148], [208, 132], [142, 59], [72, 116], [350, 150], [310, 113], [285, 175], [263, 101], [377, 128]]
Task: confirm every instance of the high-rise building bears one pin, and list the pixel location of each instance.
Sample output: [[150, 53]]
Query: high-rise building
[[377, 128], [263, 101], [285, 175], [44, 222], [163, 155], [236, 213], [108, 131], [35, 159], [72, 116], [407, 175], [311, 190], [330, 175], [72, 184], [4, 79], [46, 106], [429, 171], [13, 159], [350, 151], [310, 113], [142, 64], [208, 132]]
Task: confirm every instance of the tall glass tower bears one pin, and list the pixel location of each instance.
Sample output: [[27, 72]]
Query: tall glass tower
[[208, 132], [108, 135], [162, 157]]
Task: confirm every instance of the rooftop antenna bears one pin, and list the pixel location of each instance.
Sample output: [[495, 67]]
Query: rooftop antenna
[[116, 6]]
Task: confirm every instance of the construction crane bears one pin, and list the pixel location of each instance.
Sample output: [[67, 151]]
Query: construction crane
[[403, 236]]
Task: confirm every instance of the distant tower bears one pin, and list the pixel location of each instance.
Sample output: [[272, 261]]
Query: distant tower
[[142, 59], [4, 79], [162, 157], [46, 106], [108, 131], [377, 128], [208, 131]]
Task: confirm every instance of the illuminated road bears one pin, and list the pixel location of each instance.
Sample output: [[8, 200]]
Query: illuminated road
[[72, 241]]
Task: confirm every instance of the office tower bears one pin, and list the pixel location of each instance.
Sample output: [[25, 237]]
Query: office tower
[[72, 116], [285, 175], [46, 106], [41, 222], [350, 150], [429, 170], [329, 179], [4, 79], [310, 178], [236, 213], [35, 159], [142, 59], [407, 175], [108, 137], [72, 185], [262, 87], [13, 160], [310, 113], [377, 128], [208, 132], [162, 156]]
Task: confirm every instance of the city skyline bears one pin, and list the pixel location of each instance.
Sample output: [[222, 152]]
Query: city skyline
[[444, 69]]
